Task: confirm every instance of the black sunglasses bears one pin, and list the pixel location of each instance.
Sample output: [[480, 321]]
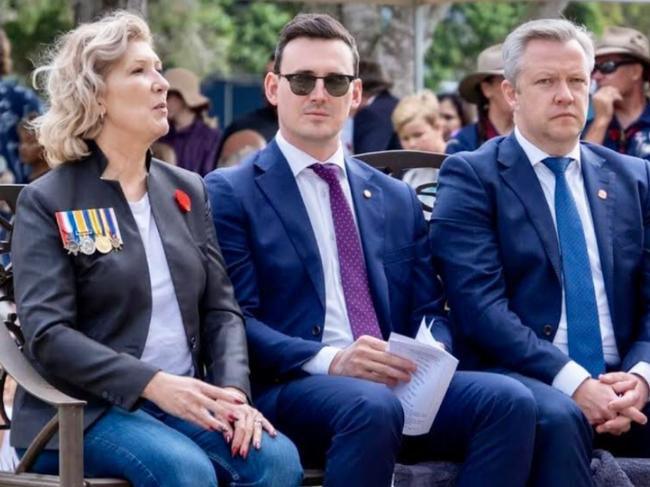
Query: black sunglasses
[[608, 67], [302, 84]]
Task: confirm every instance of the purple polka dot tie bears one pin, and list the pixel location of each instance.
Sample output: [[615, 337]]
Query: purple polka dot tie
[[354, 279]]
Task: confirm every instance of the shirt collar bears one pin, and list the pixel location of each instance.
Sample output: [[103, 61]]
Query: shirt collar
[[299, 160], [536, 155]]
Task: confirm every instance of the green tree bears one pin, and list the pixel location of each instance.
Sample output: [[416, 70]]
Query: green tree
[[636, 15], [194, 34], [31, 25], [590, 15], [257, 25], [464, 33]]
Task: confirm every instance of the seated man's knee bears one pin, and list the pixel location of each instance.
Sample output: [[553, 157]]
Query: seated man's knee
[[499, 397], [517, 400], [376, 406], [564, 420]]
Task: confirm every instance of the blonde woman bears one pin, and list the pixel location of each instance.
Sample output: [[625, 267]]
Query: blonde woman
[[121, 288]]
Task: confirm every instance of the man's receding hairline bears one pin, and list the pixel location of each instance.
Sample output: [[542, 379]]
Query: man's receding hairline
[[522, 59]]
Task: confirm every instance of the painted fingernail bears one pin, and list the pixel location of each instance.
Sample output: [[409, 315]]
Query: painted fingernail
[[257, 445]]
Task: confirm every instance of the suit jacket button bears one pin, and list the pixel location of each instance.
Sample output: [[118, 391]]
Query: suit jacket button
[[548, 330], [316, 330]]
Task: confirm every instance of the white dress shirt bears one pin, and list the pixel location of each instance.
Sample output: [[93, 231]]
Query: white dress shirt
[[573, 374], [166, 346], [337, 333]]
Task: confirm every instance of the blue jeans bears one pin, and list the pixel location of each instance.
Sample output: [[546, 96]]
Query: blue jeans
[[151, 448]]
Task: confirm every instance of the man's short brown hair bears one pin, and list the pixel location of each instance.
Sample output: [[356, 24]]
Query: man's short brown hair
[[315, 26]]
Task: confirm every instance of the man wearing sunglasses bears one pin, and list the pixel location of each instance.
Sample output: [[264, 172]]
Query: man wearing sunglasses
[[621, 111], [327, 257]]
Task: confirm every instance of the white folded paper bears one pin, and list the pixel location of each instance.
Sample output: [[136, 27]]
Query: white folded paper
[[422, 395]]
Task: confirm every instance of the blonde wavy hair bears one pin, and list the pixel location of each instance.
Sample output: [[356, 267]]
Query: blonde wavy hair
[[73, 78], [423, 104]]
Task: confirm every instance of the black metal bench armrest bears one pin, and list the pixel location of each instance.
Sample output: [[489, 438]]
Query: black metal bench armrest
[[397, 161]]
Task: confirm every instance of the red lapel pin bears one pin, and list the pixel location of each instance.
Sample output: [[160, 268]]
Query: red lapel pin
[[183, 200]]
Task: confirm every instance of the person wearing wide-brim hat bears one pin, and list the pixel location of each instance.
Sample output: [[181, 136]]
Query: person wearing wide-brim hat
[[194, 141], [621, 110], [483, 88]]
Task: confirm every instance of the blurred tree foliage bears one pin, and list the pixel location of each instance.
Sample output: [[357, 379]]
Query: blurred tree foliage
[[257, 25], [194, 34], [207, 36], [31, 25], [465, 32], [233, 37], [471, 27]]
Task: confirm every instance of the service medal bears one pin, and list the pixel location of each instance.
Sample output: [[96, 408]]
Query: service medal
[[87, 246], [116, 242], [103, 244], [72, 247]]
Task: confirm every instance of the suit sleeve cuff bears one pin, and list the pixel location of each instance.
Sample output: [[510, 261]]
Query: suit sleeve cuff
[[642, 369], [320, 363], [569, 378]]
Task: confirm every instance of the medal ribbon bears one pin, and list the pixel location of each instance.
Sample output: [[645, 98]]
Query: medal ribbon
[[94, 220], [88, 223], [105, 226], [65, 230], [69, 215], [112, 222], [80, 222]]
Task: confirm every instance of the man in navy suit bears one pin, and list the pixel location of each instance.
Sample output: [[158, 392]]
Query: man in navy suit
[[328, 256], [546, 259]]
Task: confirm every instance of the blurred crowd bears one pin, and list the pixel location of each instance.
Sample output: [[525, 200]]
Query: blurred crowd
[[447, 122]]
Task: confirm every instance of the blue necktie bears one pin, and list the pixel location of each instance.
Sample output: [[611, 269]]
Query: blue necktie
[[585, 342]]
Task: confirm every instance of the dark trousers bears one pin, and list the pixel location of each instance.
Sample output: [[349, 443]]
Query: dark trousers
[[565, 439], [353, 427]]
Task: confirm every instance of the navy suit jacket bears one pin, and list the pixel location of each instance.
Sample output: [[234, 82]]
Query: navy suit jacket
[[273, 260], [500, 259]]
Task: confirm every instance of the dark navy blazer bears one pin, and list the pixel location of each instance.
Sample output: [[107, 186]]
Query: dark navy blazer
[[500, 260], [274, 263]]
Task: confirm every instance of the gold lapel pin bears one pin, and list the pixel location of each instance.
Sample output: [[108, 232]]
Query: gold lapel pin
[[367, 194], [602, 194]]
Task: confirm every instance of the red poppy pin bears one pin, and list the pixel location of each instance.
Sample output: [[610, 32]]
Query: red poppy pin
[[183, 200]]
